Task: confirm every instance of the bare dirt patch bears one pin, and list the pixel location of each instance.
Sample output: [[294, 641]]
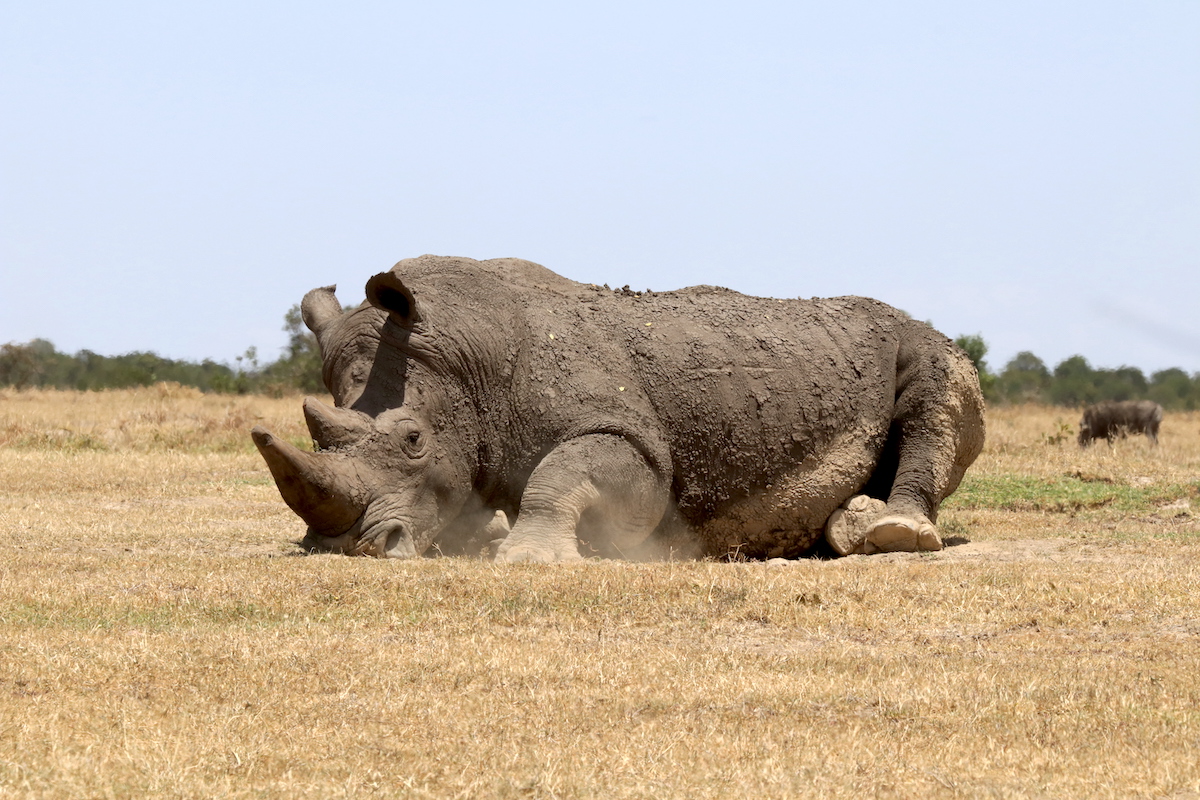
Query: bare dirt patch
[[997, 551]]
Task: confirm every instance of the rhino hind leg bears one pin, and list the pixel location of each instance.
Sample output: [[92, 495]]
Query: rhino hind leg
[[938, 427], [598, 488]]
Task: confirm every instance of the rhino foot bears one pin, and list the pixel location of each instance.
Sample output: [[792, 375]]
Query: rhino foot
[[863, 526], [497, 527], [496, 531], [536, 547], [536, 555], [903, 533], [847, 528]]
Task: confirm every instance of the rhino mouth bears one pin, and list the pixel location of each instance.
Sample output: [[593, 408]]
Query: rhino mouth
[[316, 541], [388, 538]]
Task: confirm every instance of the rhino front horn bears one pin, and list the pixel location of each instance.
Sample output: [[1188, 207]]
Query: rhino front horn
[[312, 484]]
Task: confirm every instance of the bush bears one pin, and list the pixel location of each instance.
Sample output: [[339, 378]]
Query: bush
[[976, 348], [1025, 379], [1074, 382]]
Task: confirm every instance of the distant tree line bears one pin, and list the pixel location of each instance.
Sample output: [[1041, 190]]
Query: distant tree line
[[1075, 382], [1024, 379], [37, 364]]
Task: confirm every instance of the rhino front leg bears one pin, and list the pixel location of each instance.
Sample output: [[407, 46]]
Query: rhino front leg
[[599, 488]]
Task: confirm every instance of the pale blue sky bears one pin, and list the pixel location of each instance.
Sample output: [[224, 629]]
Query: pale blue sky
[[174, 176]]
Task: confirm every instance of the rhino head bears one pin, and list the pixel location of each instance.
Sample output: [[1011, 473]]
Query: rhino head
[[395, 457]]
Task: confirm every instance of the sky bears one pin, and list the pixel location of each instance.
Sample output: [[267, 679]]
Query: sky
[[175, 176]]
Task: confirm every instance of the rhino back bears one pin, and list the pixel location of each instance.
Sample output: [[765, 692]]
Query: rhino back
[[749, 389], [726, 392]]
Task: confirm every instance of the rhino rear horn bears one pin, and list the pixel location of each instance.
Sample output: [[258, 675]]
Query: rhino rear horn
[[319, 309], [317, 486], [387, 292], [334, 427]]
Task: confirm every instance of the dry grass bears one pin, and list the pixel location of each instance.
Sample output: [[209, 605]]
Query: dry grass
[[158, 637], [1129, 491], [165, 416]]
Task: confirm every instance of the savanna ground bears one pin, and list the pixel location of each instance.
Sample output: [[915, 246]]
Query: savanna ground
[[161, 637]]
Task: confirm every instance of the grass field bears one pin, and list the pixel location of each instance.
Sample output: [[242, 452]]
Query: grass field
[[160, 636]]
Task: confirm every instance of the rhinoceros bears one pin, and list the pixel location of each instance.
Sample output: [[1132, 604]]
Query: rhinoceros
[[611, 423], [1115, 419]]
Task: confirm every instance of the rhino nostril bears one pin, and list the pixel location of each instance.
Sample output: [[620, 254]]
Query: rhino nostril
[[398, 543]]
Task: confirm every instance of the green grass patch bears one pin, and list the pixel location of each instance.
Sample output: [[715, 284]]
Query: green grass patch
[[1061, 493]]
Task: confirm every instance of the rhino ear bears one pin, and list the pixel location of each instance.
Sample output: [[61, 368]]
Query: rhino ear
[[319, 309], [387, 292]]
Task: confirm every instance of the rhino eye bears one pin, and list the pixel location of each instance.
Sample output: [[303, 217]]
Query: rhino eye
[[413, 443]]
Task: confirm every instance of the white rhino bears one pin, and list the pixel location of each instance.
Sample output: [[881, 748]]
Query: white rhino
[[615, 421]]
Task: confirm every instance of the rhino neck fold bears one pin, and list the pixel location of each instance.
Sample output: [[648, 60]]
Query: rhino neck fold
[[317, 486]]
